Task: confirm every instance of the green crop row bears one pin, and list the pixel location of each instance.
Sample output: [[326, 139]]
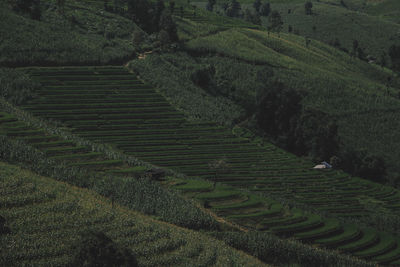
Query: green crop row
[[49, 233], [275, 163]]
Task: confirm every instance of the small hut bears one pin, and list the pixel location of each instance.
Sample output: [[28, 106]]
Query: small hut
[[324, 165]]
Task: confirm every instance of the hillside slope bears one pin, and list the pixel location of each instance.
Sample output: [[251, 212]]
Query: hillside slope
[[45, 219], [82, 35], [354, 94], [155, 132], [374, 24]]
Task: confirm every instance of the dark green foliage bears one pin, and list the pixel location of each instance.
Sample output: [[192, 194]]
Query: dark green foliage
[[308, 8], [252, 17], [96, 249], [394, 53], [257, 5], [372, 168], [278, 110], [16, 86], [138, 36], [172, 6], [355, 46], [140, 12], [360, 163], [3, 227], [210, 5], [204, 77], [361, 53], [265, 9], [167, 24], [36, 11], [159, 9], [233, 9], [275, 21], [382, 60], [316, 135], [61, 6], [302, 131], [31, 7]]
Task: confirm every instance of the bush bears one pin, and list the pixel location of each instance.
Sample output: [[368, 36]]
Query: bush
[[16, 86], [96, 249], [203, 77], [3, 228], [278, 112], [27, 6]]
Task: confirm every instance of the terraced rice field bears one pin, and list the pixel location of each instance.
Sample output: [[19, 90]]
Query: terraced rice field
[[110, 105], [45, 219], [255, 212], [58, 149]]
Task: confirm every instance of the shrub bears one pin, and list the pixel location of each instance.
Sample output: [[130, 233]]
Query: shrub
[[16, 86], [96, 249], [27, 6], [3, 228], [203, 77]]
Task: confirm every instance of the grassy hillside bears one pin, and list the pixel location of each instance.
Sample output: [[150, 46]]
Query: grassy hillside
[[388, 9], [349, 90], [83, 35], [66, 158], [189, 147], [332, 22], [45, 219], [223, 70]]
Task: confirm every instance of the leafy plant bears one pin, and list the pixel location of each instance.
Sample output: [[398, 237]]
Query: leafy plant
[[97, 249]]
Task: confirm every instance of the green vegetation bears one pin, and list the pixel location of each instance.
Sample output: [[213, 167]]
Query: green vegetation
[[196, 152], [261, 244], [374, 24], [139, 194], [262, 168], [339, 95], [51, 222], [16, 86], [82, 35]]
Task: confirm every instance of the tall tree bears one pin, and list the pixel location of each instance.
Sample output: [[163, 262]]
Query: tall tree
[[140, 12], [172, 6], [167, 24], [265, 9], [61, 6], [394, 53], [159, 9], [257, 5], [32, 7], [252, 17], [233, 9], [355, 47], [275, 22], [210, 5], [308, 8]]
